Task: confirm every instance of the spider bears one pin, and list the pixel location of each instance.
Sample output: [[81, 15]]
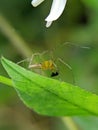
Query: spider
[[47, 64], [44, 62]]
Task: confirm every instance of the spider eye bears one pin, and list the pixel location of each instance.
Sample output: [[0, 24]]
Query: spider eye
[[54, 74]]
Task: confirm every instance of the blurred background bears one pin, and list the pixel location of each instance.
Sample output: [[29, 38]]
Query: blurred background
[[23, 32]]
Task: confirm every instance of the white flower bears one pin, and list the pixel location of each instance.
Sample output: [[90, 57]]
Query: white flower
[[36, 2], [55, 12]]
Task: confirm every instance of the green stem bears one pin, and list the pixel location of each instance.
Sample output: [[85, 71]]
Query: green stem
[[14, 37], [70, 124], [6, 81]]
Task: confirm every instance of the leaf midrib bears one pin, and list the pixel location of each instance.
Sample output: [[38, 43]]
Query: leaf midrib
[[49, 90]]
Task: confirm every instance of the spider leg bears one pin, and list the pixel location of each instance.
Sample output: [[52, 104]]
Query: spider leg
[[69, 67], [27, 59], [31, 60]]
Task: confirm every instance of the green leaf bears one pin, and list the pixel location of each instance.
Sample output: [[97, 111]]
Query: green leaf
[[48, 96]]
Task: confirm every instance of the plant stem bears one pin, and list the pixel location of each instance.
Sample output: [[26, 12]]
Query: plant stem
[[6, 81], [14, 37], [70, 124]]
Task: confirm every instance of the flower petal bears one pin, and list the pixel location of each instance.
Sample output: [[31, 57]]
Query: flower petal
[[55, 12], [36, 2]]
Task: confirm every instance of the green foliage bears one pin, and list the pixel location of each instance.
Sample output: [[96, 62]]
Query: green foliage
[[91, 3], [5, 80], [78, 24], [48, 96]]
